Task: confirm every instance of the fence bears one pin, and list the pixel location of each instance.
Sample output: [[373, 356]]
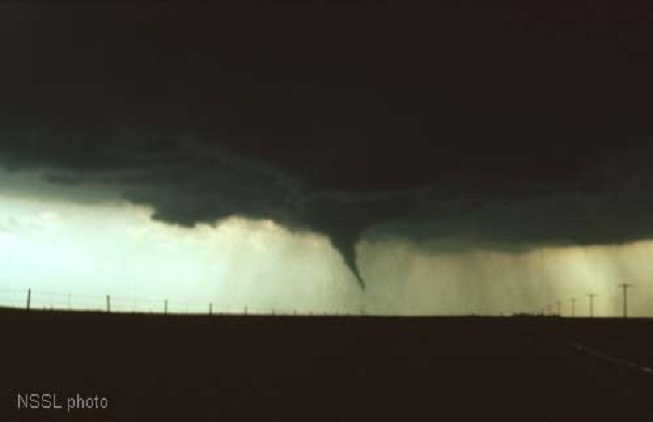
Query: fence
[[43, 299], [39, 299]]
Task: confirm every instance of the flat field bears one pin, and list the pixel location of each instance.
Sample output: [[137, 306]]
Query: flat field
[[276, 368]]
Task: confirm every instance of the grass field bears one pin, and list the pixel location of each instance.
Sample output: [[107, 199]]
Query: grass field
[[258, 368]]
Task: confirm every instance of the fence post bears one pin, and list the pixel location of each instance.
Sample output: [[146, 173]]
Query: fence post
[[29, 298]]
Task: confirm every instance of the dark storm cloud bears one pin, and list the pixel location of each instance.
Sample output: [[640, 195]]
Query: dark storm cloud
[[609, 204], [511, 127]]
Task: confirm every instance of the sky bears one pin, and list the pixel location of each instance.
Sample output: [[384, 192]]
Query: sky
[[342, 157]]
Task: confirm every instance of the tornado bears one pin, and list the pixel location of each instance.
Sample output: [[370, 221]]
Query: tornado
[[346, 246]]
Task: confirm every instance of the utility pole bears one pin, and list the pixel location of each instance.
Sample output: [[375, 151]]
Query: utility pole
[[165, 307], [29, 298], [625, 287], [559, 308], [108, 303], [591, 296], [573, 307], [210, 308]]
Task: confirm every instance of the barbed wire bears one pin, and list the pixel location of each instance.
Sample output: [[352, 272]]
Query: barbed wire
[[64, 300], [61, 300]]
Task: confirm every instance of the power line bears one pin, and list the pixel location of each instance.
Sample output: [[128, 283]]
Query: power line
[[591, 296], [625, 287]]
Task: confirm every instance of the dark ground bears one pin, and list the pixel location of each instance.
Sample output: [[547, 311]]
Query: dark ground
[[252, 368]]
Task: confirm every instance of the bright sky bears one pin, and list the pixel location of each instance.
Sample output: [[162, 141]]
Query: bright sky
[[60, 248]]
